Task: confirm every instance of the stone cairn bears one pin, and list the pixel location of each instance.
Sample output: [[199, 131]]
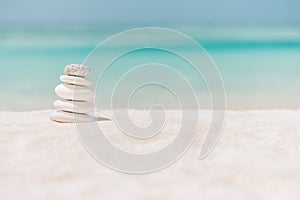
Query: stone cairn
[[76, 104]]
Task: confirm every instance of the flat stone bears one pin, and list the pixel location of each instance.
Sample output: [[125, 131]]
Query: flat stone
[[73, 92], [74, 106], [67, 117], [75, 80]]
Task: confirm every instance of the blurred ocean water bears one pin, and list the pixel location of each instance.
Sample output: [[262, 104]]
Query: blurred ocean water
[[260, 66]]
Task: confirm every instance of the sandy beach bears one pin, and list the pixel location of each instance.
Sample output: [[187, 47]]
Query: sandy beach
[[257, 157]]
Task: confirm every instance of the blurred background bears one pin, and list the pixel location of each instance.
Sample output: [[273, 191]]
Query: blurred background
[[255, 44]]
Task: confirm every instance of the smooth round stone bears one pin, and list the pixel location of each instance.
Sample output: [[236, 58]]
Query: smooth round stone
[[75, 80], [74, 92], [74, 106], [65, 117]]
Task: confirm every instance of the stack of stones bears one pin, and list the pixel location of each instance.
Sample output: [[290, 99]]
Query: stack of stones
[[76, 95]]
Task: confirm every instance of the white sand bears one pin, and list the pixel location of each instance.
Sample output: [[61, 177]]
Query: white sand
[[258, 157]]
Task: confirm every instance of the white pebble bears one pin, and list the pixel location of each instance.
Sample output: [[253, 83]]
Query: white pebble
[[72, 92], [67, 117], [74, 106], [75, 80]]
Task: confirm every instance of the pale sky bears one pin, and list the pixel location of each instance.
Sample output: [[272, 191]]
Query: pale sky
[[151, 12]]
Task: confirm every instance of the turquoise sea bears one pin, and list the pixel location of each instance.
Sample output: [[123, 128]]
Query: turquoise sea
[[260, 66]]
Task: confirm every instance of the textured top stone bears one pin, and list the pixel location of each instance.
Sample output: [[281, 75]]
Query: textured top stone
[[77, 70]]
